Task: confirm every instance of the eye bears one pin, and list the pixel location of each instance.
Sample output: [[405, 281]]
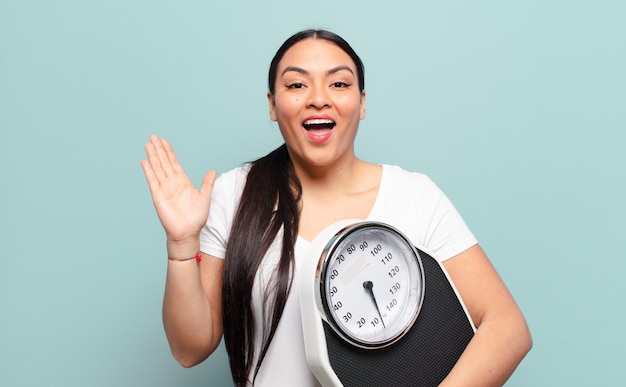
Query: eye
[[295, 85], [340, 85]]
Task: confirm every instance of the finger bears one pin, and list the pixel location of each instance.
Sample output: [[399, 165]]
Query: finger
[[161, 155], [155, 162], [207, 184], [153, 182], [171, 155]]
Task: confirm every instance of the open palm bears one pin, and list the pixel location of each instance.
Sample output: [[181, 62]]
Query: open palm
[[181, 208]]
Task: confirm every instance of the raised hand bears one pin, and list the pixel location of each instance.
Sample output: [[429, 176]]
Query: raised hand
[[181, 208]]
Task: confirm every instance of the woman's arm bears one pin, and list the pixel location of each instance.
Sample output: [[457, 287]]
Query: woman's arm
[[192, 301], [502, 338], [192, 308]]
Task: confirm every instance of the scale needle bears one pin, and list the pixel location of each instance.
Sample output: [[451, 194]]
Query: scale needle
[[369, 286]]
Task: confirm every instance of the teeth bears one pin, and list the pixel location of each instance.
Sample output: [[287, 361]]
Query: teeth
[[318, 122]]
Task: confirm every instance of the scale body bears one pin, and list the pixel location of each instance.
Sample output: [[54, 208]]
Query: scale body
[[415, 343]]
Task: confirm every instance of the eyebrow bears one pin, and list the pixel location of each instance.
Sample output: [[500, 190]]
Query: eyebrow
[[305, 72]]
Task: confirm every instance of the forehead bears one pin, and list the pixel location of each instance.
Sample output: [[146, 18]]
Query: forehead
[[312, 54]]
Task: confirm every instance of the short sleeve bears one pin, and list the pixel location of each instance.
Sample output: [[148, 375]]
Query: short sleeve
[[224, 202], [447, 234], [413, 203]]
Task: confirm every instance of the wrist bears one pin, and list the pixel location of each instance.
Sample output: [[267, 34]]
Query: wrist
[[197, 258], [183, 249]]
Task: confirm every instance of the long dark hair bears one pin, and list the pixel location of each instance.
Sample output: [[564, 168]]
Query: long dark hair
[[270, 202]]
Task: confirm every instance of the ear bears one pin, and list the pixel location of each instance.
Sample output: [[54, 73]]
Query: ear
[[272, 105], [362, 105]]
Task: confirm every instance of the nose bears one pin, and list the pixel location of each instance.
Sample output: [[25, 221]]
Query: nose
[[318, 97]]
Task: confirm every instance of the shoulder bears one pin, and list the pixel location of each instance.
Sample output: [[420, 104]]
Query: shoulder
[[228, 188], [397, 177], [233, 180], [413, 203], [235, 175], [224, 201], [397, 172]]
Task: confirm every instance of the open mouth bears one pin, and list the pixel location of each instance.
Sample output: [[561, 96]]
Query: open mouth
[[319, 124]]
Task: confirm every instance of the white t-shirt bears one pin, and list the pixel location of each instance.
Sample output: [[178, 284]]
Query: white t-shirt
[[409, 201]]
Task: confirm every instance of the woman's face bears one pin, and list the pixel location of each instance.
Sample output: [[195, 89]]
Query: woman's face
[[317, 103]]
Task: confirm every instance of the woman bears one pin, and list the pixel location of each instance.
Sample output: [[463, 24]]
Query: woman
[[231, 269]]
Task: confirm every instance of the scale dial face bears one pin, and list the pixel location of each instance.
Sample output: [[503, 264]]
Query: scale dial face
[[371, 284]]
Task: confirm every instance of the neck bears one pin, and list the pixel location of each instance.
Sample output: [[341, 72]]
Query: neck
[[346, 192], [335, 177]]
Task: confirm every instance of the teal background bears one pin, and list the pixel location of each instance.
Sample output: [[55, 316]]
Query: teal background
[[516, 109]]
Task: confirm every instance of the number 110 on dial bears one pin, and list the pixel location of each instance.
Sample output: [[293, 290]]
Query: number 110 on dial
[[371, 284]]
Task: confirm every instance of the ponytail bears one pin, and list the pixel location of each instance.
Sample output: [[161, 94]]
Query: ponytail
[[269, 202]]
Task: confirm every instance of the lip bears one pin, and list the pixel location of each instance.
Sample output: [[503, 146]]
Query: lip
[[319, 136]]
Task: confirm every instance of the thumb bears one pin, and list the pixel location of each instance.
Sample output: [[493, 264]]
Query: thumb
[[207, 184]]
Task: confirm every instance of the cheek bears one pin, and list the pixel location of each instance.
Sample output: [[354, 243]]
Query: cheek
[[287, 108], [350, 105]]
